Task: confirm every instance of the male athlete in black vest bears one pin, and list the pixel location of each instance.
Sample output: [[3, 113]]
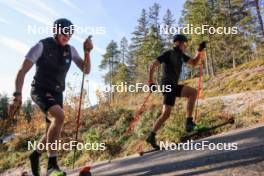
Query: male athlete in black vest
[[172, 61], [53, 57]]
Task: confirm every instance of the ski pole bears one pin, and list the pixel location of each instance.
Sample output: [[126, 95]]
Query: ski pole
[[80, 103], [202, 46], [199, 89], [137, 115]]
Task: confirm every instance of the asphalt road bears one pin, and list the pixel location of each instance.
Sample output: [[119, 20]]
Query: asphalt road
[[248, 159]]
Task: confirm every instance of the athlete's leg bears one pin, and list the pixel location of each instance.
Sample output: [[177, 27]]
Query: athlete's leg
[[166, 110], [43, 139], [57, 119], [163, 117], [35, 155], [191, 94]]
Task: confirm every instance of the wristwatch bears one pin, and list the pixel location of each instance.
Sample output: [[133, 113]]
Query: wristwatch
[[17, 94]]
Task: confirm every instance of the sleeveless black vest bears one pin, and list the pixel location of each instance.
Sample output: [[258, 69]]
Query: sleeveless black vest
[[52, 66]]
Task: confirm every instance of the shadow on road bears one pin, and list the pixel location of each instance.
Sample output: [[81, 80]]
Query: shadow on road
[[247, 153]]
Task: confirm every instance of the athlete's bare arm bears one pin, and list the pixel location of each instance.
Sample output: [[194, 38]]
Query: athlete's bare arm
[[152, 68], [195, 61], [26, 66]]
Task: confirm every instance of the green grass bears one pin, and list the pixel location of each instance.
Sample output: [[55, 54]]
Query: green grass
[[12, 159], [249, 65], [243, 78]]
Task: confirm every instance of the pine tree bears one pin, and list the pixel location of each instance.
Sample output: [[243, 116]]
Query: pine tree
[[124, 50], [110, 60], [121, 74], [3, 107], [168, 22], [197, 13], [137, 40], [223, 50], [258, 8], [154, 15], [235, 13], [140, 32], [260, 18], [151, 48]]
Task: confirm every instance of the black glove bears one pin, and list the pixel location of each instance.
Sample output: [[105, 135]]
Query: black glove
[[88, 45], [202, 46]]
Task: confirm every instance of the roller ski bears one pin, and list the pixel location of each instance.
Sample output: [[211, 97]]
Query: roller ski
[[85, 171], [190, 126], [201, 130], [193, 132]]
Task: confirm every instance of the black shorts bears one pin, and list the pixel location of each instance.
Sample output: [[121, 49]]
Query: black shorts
[[46, 99], [169, 98]]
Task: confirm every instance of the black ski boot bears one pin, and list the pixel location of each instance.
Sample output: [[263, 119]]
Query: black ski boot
[[190, 125], [34, 162], [152, 140]]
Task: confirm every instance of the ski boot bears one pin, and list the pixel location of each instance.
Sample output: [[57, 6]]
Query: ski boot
[[191, 126], [152, 140], [34, 163]]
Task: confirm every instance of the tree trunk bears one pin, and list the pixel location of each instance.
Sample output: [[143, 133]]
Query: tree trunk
[[259, 17], [110, 79], [206, 66], [211, 59], [112, 75], [234, 62]]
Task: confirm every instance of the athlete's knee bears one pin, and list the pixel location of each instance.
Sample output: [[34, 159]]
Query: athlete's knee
[[189, 92], [59, 119], [57, 114], [192, 93]]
